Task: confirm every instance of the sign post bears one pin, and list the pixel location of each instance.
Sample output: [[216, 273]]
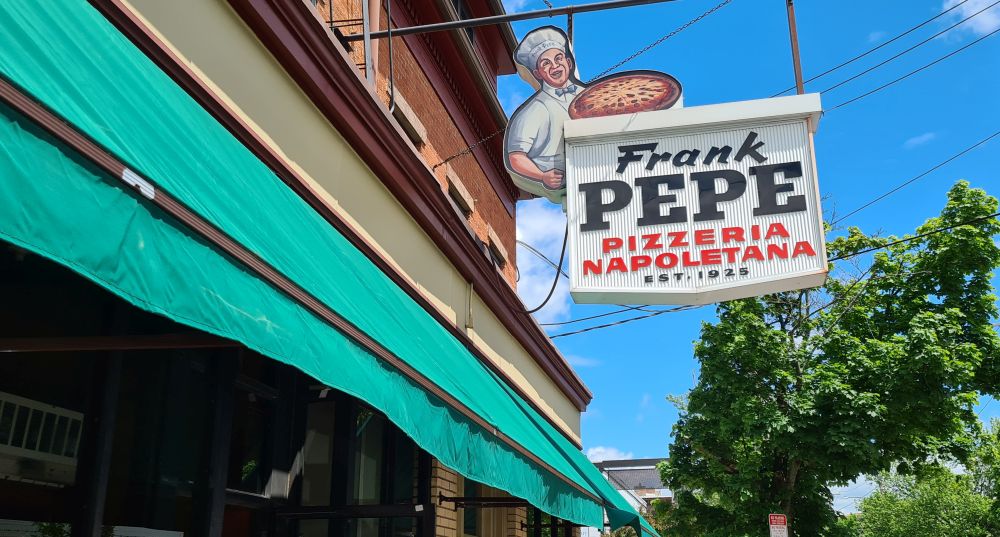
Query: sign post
[[778, 524], [695, 205]]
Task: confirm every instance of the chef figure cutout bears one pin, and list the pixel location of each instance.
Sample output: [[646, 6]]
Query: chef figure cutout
[[534, 139], [533, 147]]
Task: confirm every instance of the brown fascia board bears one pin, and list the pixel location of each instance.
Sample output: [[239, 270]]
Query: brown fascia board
[[428, 206]]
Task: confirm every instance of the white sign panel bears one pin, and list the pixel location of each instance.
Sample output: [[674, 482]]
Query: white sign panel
[[778, 524], [695, 205]]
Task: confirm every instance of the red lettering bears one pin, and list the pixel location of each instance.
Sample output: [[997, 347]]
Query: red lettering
[[652, 242], [755, 233], [631, 243], [803, 248], [752, 252], [704, 236], [677, 238], [732, 234], [617, 263], [777, 250], [667, 260], [687, 261], [711, 257], [640, 261], [730, 254], [611, 243], [593, 267], [776, 230]]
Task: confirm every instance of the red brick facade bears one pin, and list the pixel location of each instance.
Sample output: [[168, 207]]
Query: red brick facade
[[442, 135]]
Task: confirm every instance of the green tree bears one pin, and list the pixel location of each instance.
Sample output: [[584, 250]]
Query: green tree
[[930, 504], [802, 391]]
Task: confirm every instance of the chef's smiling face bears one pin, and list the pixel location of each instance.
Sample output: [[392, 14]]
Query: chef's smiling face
[[554, 67]]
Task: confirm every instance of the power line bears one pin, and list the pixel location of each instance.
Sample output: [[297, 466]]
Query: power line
[[911, 73], [676, 31], [598, 316], [542, 256], [624, 321], [838, 258], [920, 44], [635, 55], [869, 51], [914, 179], [555, 280], [915, 237]]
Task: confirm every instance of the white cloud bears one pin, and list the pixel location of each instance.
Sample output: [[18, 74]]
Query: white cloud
[[606, 453], [542, 225], [582, 361], [875, 36], [981, 24], [512, 6], [920, 140], [646, 399]]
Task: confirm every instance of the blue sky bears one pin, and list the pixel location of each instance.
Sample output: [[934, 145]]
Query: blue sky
[[863, 149]]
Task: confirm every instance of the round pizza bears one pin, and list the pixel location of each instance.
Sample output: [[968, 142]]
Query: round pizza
[[638, 91]]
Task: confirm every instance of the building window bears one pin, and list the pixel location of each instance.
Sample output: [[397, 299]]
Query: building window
[[459, 195], [408, 119], [497, 251], [463, 13]]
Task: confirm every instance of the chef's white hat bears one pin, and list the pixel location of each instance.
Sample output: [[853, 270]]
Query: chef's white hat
[[536, 43]]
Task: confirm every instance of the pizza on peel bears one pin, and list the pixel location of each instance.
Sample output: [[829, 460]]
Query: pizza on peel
[[640, 91]]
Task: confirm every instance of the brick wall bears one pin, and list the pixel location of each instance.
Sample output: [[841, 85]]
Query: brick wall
[[443, 138], [444, 481]]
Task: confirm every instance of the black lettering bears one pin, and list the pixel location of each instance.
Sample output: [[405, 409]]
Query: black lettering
[[721, 153], [768, 190], [655, 159], [630, 153], [750, 148], [621, 195], [687, 157], [652, 200], [708, 198]]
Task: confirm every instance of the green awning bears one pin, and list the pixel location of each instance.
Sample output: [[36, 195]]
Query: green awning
[[66, 56]]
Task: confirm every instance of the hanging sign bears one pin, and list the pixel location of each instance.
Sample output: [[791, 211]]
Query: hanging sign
[[695, 205], [534, 152]]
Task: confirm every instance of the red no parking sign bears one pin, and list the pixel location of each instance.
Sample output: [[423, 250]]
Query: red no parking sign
[[779, 525]]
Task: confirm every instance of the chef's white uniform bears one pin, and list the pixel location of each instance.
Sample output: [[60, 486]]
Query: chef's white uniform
[[536, 129]]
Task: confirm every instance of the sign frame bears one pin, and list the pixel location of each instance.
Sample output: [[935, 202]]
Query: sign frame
[[700, 119]]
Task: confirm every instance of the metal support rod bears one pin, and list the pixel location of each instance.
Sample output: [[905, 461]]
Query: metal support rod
[[392, 87], [793, 34], [366, 34], [569, 29], [501, 19]]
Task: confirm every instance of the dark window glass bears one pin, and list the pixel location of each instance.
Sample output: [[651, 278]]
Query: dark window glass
[[249, 453], [159, 463], [317, 453], [369, 444]]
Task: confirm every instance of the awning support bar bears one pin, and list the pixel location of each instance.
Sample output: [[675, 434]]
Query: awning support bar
[[501, 19]]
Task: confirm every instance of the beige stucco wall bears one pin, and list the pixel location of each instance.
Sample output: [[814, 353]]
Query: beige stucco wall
[[220, 49]]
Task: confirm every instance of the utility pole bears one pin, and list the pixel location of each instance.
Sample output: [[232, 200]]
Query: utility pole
[[793, 34]]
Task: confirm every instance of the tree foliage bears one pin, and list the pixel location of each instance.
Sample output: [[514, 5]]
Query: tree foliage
[[802, 391], [929, 504]]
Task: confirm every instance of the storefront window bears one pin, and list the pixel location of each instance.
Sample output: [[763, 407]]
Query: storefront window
[[159, 470], [43, 407]]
